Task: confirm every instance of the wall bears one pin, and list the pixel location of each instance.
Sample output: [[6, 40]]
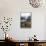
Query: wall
[[12, 8], [45, 28]]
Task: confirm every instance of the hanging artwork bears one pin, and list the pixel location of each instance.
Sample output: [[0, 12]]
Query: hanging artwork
[[25, 20], [36, 3]]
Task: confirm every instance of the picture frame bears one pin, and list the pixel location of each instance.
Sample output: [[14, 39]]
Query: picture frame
[[26, 19]]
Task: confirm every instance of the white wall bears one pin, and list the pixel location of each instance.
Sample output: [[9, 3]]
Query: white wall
[[12, 8], [45, 28]]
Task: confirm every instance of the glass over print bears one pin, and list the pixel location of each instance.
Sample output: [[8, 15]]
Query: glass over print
[[25, 20]]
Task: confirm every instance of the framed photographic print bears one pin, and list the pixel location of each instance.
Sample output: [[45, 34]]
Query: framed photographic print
[[25, 19]]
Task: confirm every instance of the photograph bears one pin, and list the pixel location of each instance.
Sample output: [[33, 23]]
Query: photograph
[[25, 20]]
